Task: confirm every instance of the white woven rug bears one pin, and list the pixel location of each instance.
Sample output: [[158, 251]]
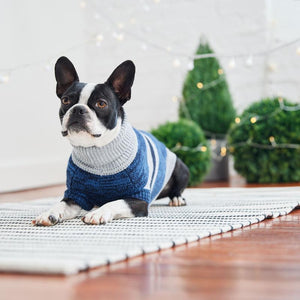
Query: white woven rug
[[72, 246]]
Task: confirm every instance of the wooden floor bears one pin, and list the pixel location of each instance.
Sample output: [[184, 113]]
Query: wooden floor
[[258, 262]]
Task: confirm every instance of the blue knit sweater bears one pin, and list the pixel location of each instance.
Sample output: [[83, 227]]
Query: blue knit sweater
[[140, 173]]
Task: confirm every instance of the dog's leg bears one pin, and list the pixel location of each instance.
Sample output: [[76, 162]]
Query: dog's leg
[[64, 210], [176, 184], [119, 209]]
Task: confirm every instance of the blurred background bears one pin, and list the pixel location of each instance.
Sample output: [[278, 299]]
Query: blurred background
[[257, 44]]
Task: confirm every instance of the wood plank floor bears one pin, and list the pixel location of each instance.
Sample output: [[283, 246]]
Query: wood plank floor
[[258, 262]]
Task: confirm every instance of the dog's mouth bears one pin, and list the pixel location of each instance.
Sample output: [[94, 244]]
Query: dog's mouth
[[96, 135]]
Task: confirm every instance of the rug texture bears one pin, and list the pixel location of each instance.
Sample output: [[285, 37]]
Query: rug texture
[[73, 246]]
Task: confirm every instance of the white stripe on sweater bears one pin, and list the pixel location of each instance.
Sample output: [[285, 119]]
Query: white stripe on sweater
[[156, 167]]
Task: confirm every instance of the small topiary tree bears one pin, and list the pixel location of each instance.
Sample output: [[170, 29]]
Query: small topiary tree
[[206, 97], [262, 142], [186, 139]]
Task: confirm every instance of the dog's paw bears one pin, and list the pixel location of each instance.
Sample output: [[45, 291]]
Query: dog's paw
[[47, 219], [98, 216], [177, 201]]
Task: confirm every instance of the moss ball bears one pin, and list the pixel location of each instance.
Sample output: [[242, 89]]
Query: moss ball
[[265, 142], [186, 139]]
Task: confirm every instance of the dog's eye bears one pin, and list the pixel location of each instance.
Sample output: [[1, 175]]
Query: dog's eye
[[65, 101], [101, 104]]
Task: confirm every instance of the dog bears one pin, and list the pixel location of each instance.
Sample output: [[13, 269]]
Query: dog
[[114, 171]]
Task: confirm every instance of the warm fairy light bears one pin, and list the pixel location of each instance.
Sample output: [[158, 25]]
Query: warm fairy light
[[174, 99], [280, 99], [213, 142], [237, 120], [298, 51], [99, 37], [203, 148], [121, 25], [178, 145], [132, 20], [231, 64], [223, 151], [156, 1], [253, 120], [272, 67], [272, 139], [199, 85], [220, 71], [4, 79], [83, 4], [249, 61], [118, 36], [176, 63]]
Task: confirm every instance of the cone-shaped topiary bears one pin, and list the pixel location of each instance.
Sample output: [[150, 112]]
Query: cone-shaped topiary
[[206, 97], [186, 139], [262, 142]]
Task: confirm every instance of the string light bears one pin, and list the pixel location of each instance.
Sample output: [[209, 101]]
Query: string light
[[133, 21], [213, 143], [199, 148], [190, 65], [249, 61], [118, 36], [223, 151], [144, 47], [237, 120], [272, 67], [174, 98], [83, 4], [199, 85], [298, 51], [4, 79], [231, 64], [176, 63], [220, 71], [253, 120]]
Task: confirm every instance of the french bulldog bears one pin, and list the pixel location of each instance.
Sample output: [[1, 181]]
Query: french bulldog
[[114, 171]]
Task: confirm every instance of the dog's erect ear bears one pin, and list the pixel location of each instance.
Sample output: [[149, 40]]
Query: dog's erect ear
[[65, 75], [121, 80]]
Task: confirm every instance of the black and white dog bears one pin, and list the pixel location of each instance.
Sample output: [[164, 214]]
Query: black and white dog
[[115, 171]]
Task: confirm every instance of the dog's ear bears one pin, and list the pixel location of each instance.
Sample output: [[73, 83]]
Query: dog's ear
[[65, 75], [121, 80]]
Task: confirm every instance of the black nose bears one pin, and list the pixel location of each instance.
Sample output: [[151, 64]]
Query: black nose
[[79, 110]]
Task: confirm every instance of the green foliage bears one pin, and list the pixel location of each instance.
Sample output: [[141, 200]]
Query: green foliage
[[211, 108], [186, 133], [267, 165]]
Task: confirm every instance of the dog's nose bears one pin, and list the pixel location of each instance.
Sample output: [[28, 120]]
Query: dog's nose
[[79, 110]]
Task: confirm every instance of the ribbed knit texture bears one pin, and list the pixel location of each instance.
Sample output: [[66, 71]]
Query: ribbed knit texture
[[134, 165], [111, 158]]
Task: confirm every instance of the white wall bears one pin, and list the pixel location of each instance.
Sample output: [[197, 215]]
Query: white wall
[[37, 32]]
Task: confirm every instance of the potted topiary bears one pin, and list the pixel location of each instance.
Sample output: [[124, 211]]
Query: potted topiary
[[265, 142], [187, 141], [207, 101]]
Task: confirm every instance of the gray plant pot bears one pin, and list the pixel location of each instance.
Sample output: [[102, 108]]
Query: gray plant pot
[[219, 170]]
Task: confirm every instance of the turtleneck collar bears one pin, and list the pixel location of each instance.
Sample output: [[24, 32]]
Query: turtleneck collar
[[109, 159]]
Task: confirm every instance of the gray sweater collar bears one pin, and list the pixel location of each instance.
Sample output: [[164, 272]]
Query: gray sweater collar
[[111, 158]]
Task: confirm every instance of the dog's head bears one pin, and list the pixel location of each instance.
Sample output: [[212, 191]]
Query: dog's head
[[91, 114]]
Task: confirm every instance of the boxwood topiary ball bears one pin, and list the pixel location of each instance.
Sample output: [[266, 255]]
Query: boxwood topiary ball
[[186, 139], [262, 142]]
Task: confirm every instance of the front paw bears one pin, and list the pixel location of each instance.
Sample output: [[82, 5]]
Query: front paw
[[47, 219], [177, 201], [98, 216]]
